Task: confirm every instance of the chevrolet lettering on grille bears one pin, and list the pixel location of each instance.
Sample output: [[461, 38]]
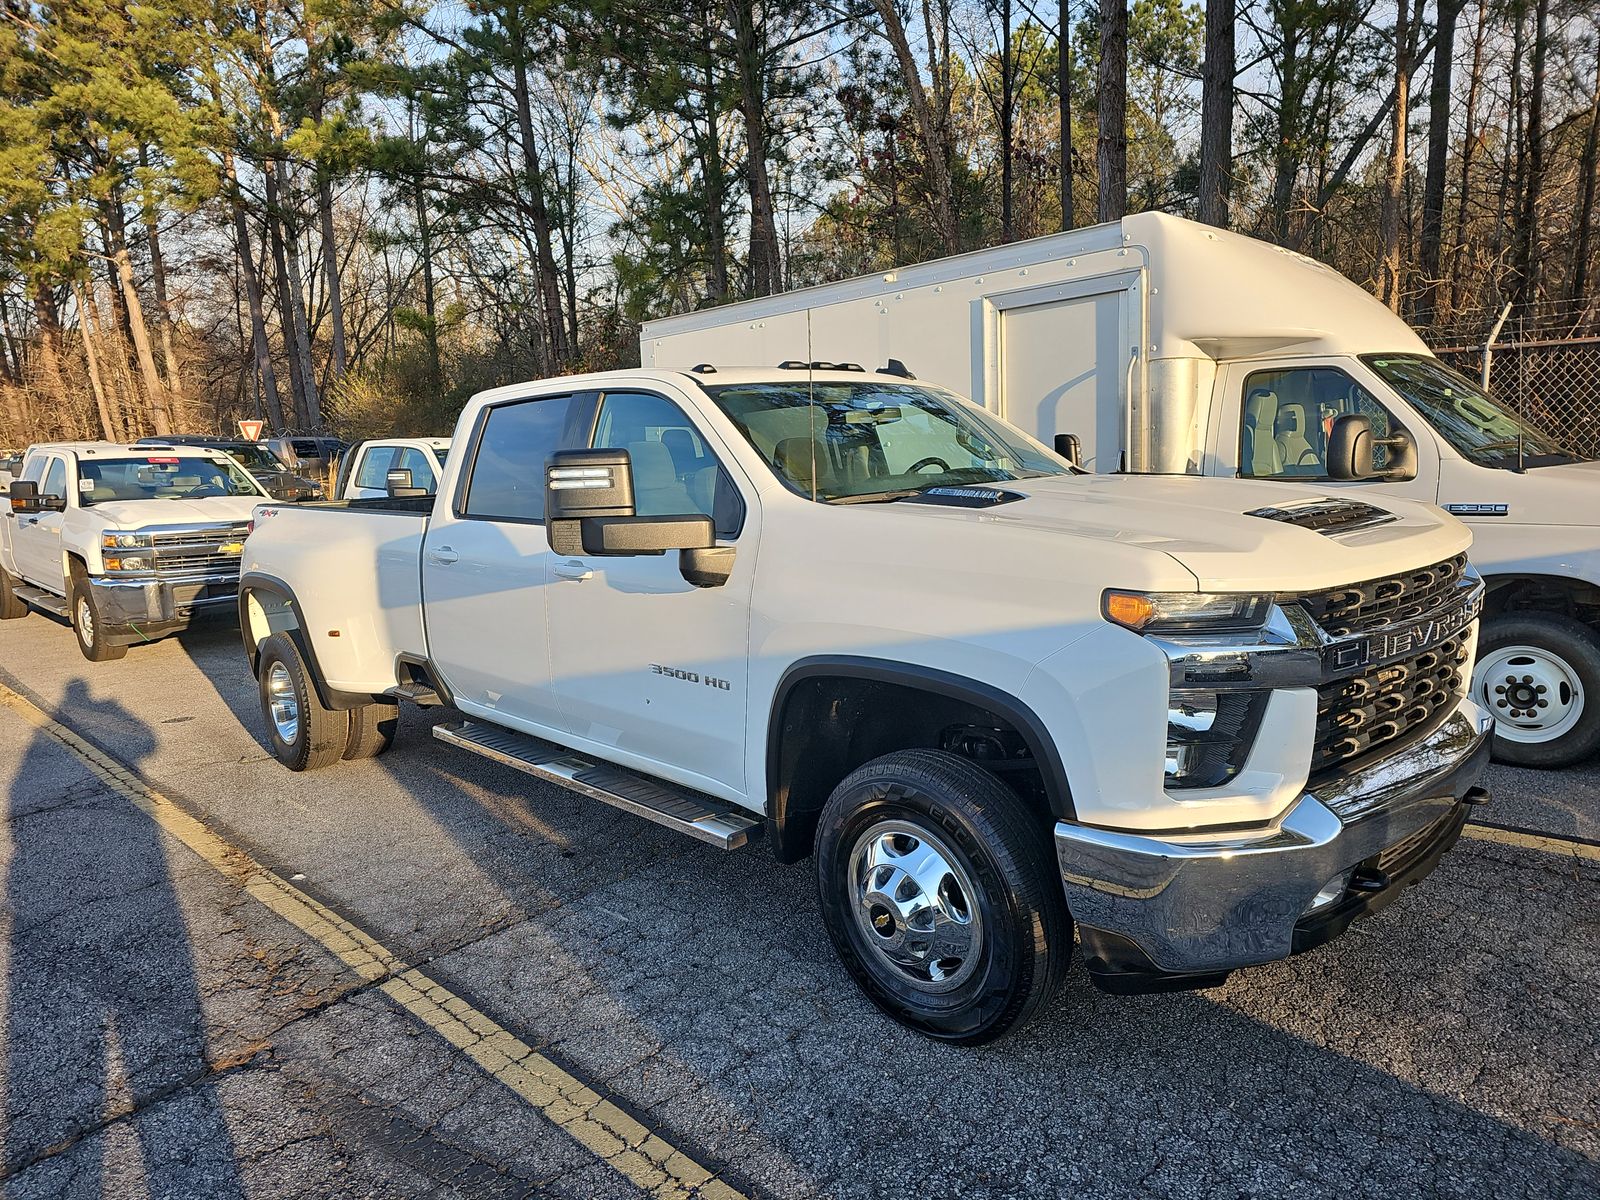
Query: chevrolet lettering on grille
[[1398, 641]]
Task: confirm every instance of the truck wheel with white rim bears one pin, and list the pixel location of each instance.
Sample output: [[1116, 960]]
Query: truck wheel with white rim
[[372, 729], [1539, 675], [12, 605], [941, 896], [304, 735], [87, 621]]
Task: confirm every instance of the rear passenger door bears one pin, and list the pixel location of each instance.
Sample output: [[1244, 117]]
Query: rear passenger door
[[650, 670], [486, 564]]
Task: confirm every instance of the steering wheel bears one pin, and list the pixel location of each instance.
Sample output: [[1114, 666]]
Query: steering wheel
[[205, 489], [930, 461]]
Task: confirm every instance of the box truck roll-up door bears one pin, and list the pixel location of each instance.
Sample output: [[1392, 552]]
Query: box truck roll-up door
[[1062, 370]]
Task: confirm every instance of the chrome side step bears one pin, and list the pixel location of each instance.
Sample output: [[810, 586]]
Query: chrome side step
[[44, 601], [715, 821]]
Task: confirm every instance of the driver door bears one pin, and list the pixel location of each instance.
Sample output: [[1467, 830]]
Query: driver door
[[1274, 420], [36, 536]]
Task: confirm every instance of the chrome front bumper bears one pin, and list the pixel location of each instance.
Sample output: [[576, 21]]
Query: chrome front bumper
[[1200, 905]]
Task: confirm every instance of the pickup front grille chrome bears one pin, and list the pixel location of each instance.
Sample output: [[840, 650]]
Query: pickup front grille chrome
[[1376, 603], [700, 816], [198, 553]]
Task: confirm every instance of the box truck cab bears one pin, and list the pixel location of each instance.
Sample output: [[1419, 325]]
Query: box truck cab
[[1167, 347]]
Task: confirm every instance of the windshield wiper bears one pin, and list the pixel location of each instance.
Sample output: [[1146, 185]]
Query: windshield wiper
[[880, 497]]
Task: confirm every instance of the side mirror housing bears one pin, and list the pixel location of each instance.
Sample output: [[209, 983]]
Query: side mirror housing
[[1352, 446], [1069, 447], [24, 496], [398, 484], [589, 510]]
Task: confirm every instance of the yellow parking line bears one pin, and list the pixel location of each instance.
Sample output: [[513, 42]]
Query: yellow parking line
[[645, 1159], [1566, 847]]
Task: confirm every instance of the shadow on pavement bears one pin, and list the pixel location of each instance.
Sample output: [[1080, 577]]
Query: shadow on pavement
[[103, 1013]]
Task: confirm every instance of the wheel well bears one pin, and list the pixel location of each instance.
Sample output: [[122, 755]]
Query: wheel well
[[1542, 593], [262, 613], [825, 725]]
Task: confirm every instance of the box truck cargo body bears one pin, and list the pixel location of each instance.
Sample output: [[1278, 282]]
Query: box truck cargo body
[[1169, 347]]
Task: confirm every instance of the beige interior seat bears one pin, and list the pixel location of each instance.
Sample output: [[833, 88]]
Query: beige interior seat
[[1260, 452], [794, 457], [657, 490], [1293, 448]]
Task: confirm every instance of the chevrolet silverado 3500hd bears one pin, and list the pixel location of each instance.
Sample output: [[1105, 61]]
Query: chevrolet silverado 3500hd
[[1210, 722]]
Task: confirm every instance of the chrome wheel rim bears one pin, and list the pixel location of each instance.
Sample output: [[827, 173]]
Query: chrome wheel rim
[[85, 622], [283, 703], [1532, 692], [915, 906]]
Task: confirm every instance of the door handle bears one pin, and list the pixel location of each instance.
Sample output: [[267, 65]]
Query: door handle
[[443, 555], [574, 571]]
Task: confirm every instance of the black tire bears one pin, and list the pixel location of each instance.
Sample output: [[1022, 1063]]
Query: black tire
[[12, 605], [372, 728], [317, 736], [87, 620], [1570, 673], [1023, 934]]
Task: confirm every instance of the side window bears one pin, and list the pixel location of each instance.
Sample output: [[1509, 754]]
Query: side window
[[55, 480], [34, 471], [1287, 415], [374, 472], [507, 479], [674, 472], [414, 460]]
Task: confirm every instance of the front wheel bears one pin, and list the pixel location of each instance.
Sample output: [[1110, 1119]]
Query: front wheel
[[12, 606], [88, 623], [1538, 674], [941, 896]]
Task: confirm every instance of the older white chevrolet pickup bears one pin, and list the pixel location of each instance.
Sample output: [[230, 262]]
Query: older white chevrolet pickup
[[1211, 722]]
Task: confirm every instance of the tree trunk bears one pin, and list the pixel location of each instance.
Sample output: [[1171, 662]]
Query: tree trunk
[[1391, 282], [330, 264], [549, 279], [280, 273], [1431, 246], [935, 161], [1112, 145], [1216, 113], [158, 273], [252, 293], [1064, 106], [1528, 247], [1469, 146], [155, 392], [429, 306], [301, 346], [766, 259], [711, 172], [44, 315], [108, 426], [1008, 107], [1591, 151]]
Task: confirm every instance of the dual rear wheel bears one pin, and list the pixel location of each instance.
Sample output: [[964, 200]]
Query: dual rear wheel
[[305, 734]]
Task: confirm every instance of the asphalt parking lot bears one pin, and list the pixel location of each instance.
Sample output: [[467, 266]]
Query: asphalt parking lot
[[428, 975]]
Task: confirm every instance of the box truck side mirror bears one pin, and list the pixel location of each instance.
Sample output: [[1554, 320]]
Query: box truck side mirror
[[1069, 447], [1351, 447]]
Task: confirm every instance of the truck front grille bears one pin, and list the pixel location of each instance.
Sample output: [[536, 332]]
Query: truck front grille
[[1388, 703], [1375, 603], [198, 553]]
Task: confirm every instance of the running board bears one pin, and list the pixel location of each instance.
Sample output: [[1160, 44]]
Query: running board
[[721, 824], [42, 600], [417, 693]]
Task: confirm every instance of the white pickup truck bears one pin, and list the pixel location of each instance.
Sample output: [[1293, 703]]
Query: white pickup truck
[[129, 543], [364, 470], [1210, 722]]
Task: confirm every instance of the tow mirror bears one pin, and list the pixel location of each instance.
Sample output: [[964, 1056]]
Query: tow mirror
[[589, 510], [398, 484], [1069, 447], [24, 496], [1352, 446]]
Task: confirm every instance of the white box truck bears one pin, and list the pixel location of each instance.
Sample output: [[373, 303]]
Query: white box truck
[[1167, 347]]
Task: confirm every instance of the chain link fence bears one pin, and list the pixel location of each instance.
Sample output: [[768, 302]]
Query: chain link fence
[[1555, 383]]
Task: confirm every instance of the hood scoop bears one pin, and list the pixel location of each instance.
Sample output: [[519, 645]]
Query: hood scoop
[[964, 497], [1328, 515]]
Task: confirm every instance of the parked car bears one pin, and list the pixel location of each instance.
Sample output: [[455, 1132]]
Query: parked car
[[364, 469], [127, 542], [307, 455], [268, 469], [1165, 347], [1211, 722]]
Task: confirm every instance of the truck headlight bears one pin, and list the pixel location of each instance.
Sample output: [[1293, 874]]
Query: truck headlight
[[1209, 735], [114, 539], [1187, 612], [128, 562]]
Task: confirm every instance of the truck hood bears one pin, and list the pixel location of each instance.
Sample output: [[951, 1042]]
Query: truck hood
[[1207, 526], [139, 514]]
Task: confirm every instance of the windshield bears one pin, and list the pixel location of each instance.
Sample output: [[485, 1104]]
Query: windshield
[[256, 457], [841, 441], [160, 477], [1464, 415]]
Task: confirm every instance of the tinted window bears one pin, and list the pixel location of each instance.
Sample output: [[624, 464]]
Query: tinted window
[[374, 471], [414, 460], [674, 472], [1287, 415], [55, 482], [508, 470], [35, 469]]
